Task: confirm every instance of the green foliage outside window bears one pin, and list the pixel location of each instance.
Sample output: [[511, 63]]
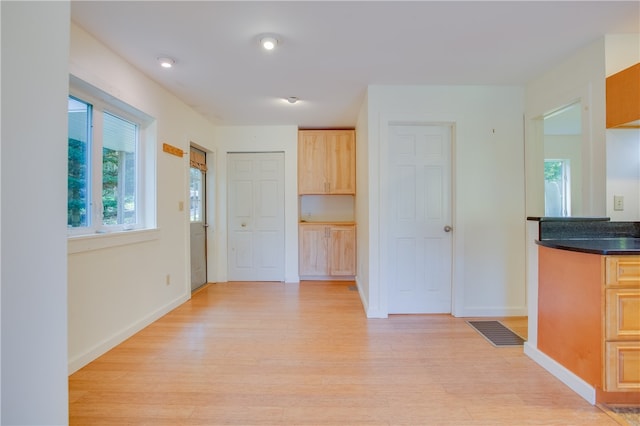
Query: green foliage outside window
[[118, 168], [77, 184], [553, 171]]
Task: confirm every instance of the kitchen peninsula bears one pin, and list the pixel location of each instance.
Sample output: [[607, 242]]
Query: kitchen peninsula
[[588, 306]]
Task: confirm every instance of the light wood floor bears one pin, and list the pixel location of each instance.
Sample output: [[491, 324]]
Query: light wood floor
[[288, 354]]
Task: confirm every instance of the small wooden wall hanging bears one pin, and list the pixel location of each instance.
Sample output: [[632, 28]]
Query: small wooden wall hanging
[[172, 150]]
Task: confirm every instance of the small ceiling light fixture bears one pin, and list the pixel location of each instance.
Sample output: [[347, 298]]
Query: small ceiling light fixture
[[166, 62], [292, 99], [268, 42]]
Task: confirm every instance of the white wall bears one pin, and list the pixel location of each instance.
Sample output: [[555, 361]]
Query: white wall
[[258, 139], [489, 226], [35, 51], [623, 173], [622, 51], [116, 291], [579, 77]]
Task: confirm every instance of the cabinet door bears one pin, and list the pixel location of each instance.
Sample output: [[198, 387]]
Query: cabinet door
[[623, 97], [342, 260], [313, 250], [622, 317], [341, 164], [622, 369], [312, 154]]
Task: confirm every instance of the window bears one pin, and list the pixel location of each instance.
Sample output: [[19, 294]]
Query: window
[[106, 178], [197, 170], [79, 115], [196, 184], [119, 182], [557, 193]]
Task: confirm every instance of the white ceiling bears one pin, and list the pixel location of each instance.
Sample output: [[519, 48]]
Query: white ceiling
[[330, 51]]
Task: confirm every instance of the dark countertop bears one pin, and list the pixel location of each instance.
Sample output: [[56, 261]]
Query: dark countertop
[[602, 246], [568, 219]]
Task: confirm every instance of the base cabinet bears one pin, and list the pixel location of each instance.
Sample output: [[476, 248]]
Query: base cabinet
[[327, 250], [622, 324]]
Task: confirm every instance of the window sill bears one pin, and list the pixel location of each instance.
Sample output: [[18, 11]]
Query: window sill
[[84, 243]]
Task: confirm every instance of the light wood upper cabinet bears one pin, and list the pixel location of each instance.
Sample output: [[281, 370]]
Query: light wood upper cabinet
[[341, 162], [326, 162], [312, 159]]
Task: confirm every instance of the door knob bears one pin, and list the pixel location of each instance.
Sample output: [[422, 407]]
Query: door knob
[[447, 228]]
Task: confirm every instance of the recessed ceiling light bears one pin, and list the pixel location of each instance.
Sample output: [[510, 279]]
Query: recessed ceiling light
[[166, 62], [268, 41]]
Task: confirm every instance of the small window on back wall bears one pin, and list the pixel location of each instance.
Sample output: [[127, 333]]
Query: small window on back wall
[[557, 184], [105, 168]]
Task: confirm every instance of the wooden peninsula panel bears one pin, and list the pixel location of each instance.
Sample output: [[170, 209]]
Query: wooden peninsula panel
[[570, 311]]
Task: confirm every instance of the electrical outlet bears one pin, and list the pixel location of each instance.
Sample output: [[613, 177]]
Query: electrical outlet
[[168, 279], [618, 203]]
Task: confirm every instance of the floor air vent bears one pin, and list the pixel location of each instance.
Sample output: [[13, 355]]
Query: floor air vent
[[496, 333]]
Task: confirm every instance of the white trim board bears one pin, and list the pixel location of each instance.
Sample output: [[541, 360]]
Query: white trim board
[[567, 377]]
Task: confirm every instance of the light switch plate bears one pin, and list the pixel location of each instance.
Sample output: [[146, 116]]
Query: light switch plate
[[618, 203]]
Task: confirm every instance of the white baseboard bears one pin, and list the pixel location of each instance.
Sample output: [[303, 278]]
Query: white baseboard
[[566, 376], [371, 313], [101, 348]]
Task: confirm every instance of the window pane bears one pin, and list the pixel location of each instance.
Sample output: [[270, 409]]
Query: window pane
[[119, 175], [196, 194], [79, 122], [556, 188]]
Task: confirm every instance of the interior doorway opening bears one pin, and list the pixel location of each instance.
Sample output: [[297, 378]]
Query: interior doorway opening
[[563, 160]]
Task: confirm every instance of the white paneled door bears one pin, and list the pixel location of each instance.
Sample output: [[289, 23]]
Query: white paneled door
[[256, 216], [420, 212]]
